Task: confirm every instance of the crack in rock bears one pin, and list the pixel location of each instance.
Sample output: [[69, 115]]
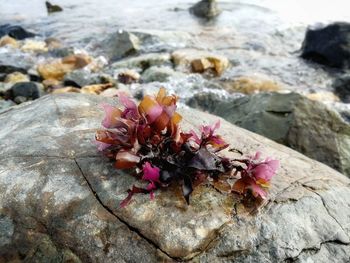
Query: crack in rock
[[132, 229], [325, 206], [313, 249]]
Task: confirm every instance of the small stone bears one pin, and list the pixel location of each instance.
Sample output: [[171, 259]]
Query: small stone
[[61, 52], [58, 69], [8, 41], [20, 99], [200, 65], [121, 44], [34, 46], [52, 84], [128, 77], [55, 70], [95, 89], [52, 8], [144, 61], [77, 61], [200, 61], [16, 77], [160, 74], [206, 9], [79, 78], [53, 43], [28, 90], [252, 84], [66, 90], [111, 92]]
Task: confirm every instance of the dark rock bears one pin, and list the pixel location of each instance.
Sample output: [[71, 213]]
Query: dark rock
[[342, 88], [24, 90], [329, 45], [59, 199], [16, 32], [120, 44], [52, 8], [309, 127], [206, 9]]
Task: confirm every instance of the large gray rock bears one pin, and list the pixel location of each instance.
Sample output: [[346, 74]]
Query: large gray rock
[[307, 126], [59, 199]]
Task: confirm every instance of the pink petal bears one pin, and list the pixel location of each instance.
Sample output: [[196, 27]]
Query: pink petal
[[101, 146], [154, 113], [150, 173], [170, 110], [257, 155], [151, 186], [216, 126], [258, 191], [274, 164], [195, 137], [265, 171], [110, 117], [126, 101]]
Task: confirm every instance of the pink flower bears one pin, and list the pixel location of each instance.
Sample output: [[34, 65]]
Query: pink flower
[[265, 170], [208, 137], [150, 173], [130, 111], [257, 175], [111, 117], [101, 146]]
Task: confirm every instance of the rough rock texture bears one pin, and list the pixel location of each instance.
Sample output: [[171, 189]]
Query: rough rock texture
[[59, 199], [329, 45], [307, 126]]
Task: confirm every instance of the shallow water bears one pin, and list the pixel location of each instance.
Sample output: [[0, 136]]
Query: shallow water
[[258, 36]]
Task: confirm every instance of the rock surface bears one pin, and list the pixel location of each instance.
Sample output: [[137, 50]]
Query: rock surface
[[307, 126], [59, 199], [329, 45]]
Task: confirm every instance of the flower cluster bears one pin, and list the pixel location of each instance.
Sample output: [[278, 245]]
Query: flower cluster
[[148, 137]]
